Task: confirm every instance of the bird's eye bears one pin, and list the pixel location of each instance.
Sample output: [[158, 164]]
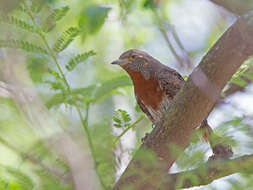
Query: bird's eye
[[133, 56]]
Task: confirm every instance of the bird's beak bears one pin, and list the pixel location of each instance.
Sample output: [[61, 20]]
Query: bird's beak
[[119, 62]]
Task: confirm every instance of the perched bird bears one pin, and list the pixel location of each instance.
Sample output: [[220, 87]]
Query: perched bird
[[155, 86]]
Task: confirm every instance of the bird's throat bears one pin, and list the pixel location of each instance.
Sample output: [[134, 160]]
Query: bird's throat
[[146, 89]]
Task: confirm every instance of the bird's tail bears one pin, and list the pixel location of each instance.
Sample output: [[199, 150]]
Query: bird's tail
[[206, 131], [220, 149]]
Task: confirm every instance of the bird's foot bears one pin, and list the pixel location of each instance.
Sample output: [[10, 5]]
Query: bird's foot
[[221, 151], [144, 138]]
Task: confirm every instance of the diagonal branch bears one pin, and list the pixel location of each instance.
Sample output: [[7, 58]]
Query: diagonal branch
[[235, 6], [239, 8], [150, 165], [209, 172]]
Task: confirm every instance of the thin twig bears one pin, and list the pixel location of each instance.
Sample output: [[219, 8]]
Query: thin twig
[[187, 57], [127, 129], [166, 37], [163, 29]]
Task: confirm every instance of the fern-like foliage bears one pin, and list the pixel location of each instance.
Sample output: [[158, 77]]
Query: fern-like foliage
[[245, 71], [78, 59], [121, 119], [16, 22], [15, 179], [56, 15], [48, 182], [23, 179], [65, 39], [24, 45]]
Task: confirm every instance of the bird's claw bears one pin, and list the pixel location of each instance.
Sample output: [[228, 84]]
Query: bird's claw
[[221, 151], [144, 138]]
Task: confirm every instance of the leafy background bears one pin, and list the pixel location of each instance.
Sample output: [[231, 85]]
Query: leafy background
[[62, 104]]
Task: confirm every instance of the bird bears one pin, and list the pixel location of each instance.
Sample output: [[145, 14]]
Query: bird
[[155, 86]]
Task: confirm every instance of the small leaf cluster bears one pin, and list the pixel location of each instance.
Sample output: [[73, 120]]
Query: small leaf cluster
[[65, 39], [121, 119], [11, 20], [16, 179], [78, 59], [23, 45], [54, 17], [244, 73]]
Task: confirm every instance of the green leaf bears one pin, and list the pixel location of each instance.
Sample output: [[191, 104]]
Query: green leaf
[[49, 182], [137, 108], [249, 75], [117, 125], [239, 81], [125, 116], [37, 67], [116, 119], [55, 74], [16, 180], [24, 45], [108, 86], [63, 97], [234, 122], [121, 119], [78, 59], [56, 100], [56, 85], [149, 4], [4, 18], [56, 15], [65, 39], [92, 92], [92, 19], [245, 70], [24, 180], [88, 91]]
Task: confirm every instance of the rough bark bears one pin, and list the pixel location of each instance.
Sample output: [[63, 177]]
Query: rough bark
[[149, 167], [238, 7]]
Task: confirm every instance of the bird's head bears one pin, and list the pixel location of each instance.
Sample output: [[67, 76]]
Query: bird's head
[[133, 59]]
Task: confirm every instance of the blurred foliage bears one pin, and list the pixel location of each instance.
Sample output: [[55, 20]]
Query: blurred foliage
[[7, 6], [245, 71], [56, 15], [92, 19], [65, 47]]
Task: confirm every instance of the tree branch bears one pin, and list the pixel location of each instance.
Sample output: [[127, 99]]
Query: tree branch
[[234, 88], [238, 7], [208, 172], [149, 167]]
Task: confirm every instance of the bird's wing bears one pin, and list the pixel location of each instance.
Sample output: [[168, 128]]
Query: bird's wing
[[170, 81], [144, 108]]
